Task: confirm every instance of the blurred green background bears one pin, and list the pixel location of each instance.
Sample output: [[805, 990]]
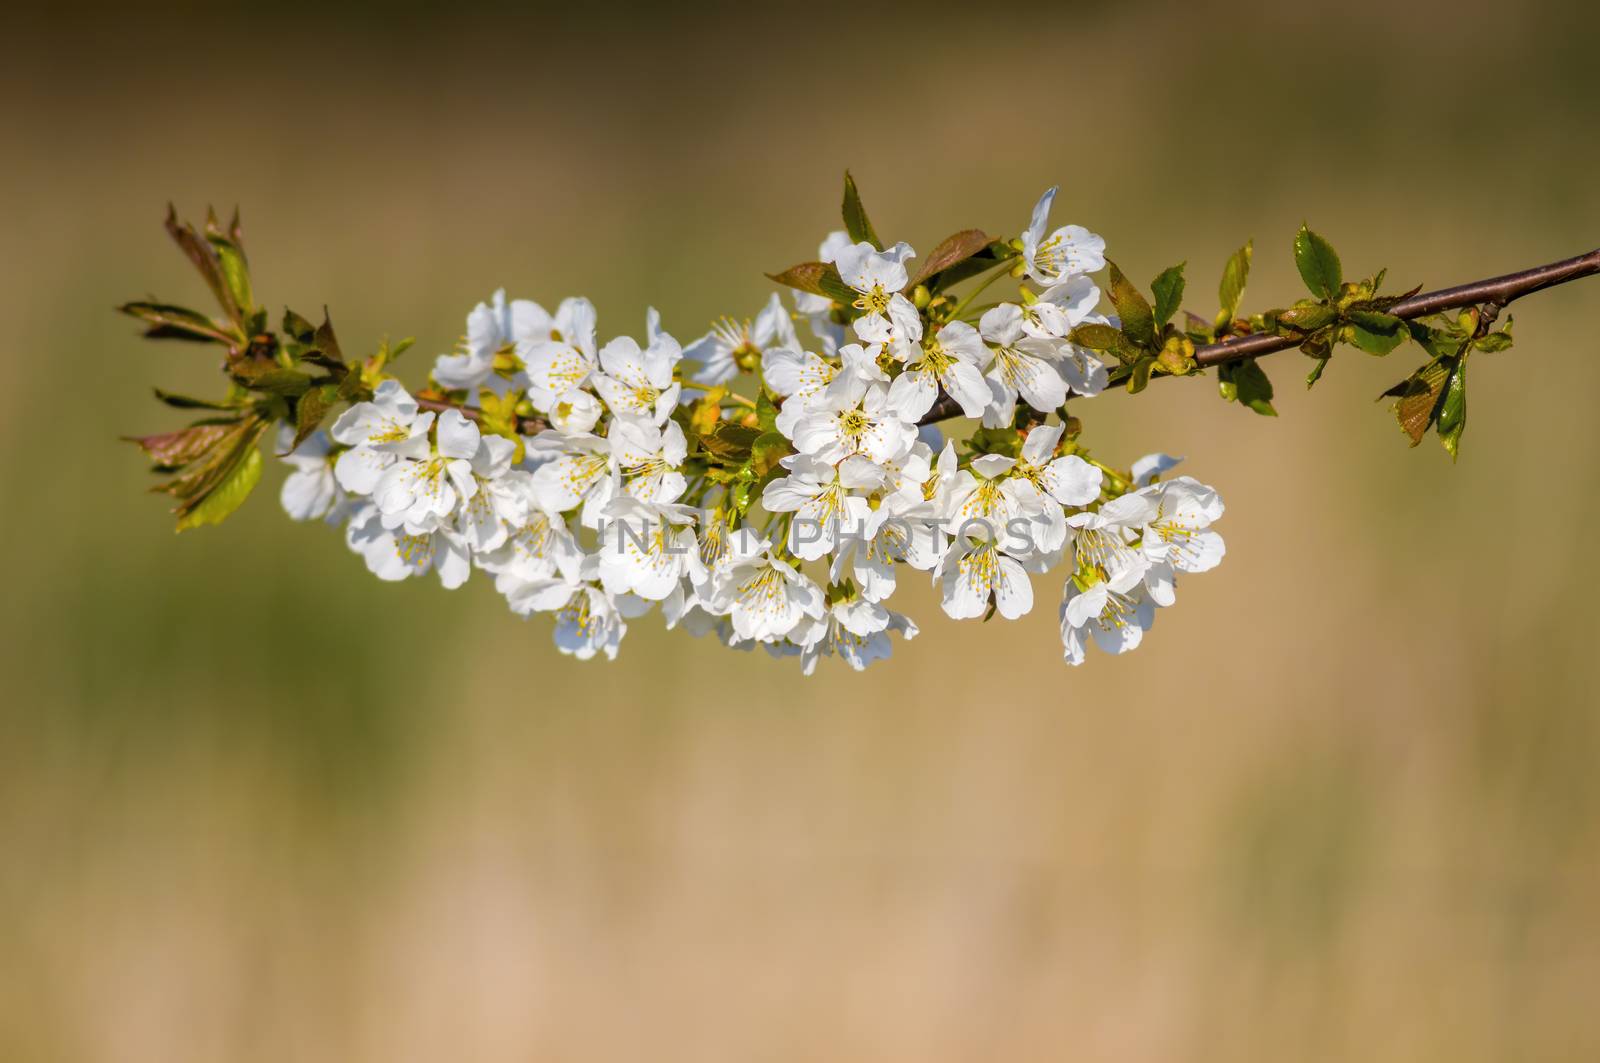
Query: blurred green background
[[255, 805]]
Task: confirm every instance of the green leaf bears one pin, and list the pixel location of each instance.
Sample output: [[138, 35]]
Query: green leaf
[[856, 222], [766, 411], [1004, 441], [271, 379], [1375, 332], [173, 450], [768, 448], [1494, 341], [230, 258], [228, 494], [1138, 320], [353, 389], [818, 278], [1438, 342], [986, 259], [204, 258], [730, 443], [1316, 372], [310, 411], [1374, 321], [177, 323], [952, 250], [1453, 411], [1127, 351], [1139, 376], [185, 402], [1096, 337], [297, 327], [1234, 275], [1254, 389], [1168, 290], [1318, 264], [1375, 342], [1417, 397], [326, 342], [1306, 317]]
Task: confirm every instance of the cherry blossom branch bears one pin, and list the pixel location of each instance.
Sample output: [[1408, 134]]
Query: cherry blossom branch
[[1498, 291], [641, 498]]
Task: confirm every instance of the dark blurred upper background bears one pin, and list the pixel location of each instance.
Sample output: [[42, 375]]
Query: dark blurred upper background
[[255, 805]]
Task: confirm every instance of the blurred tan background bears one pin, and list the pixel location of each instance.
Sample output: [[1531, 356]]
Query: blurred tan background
[[255, 805]]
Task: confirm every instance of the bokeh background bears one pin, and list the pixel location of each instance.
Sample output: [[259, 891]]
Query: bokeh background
[[255, 805]]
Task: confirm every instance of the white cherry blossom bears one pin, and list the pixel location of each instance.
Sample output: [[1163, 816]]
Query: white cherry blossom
[[975, 572], [856, 631], [898, 330], [538, 545], [876, 276], [639, 381], [825, 500], [953, 358], [649, 457], [588, 621], [1069, 250], [1107, 539], [1024, 365], [387, 429], [424, 491], [895, 533], [500, 499], [311, 491], [799, 377], [492, 328], [987, 497], [1059, 309], [580, 475], [1179, 533], [1147, 468], [646, 548], [764, 596], [1068, 479], [734, 346], [1114, 613], [855, 418], [397, 553], [559, 352]]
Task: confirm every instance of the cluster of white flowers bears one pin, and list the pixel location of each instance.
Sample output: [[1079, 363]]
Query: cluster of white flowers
[[607, 512]]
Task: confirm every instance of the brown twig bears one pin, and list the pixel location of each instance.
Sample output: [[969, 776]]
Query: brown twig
[[1496, 290]]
